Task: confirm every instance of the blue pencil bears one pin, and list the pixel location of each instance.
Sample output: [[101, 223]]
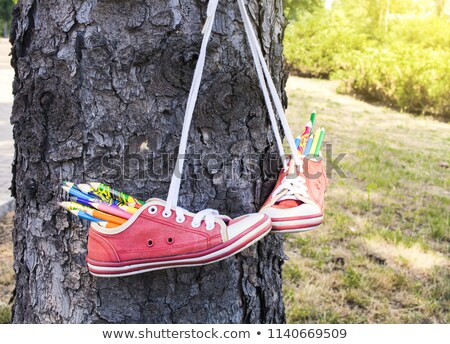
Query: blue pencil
[[297, 141], [308, 145], [84, 216], [82, 201], [77, 193]]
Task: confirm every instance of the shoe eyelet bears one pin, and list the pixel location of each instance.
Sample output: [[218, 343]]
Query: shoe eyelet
[[180, 219], [167, 214], [210, 228], [195, 225], [170, 241], [153, 210], [150, 243]]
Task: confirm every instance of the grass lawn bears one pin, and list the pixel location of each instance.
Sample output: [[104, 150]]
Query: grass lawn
[[382, 255]]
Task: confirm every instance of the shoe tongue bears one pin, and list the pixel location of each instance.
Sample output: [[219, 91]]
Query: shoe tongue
[[288, 203]]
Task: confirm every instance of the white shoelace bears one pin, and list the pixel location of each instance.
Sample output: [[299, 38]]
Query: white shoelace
[[259, 61], [290, 188], [172, 198], [263, 75], [207, 215]]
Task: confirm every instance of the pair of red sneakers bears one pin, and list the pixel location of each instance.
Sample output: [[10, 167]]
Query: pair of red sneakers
[[161, 235], [154, 238]]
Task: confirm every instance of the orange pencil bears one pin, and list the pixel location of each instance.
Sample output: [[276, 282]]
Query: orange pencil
[[107, 217], [107, 224], [93, 212]]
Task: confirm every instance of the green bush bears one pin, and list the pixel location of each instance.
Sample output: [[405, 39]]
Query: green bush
[[315, 45], [404, 77], [406, 67]]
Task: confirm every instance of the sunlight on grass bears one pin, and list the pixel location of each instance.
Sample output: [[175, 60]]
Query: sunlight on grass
[[413, 258]]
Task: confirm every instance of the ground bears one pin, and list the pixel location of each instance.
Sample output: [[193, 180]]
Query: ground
[[6, 272], [382, 254]]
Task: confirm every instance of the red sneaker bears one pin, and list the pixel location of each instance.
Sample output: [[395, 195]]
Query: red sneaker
[[153, 239], [297, 202]]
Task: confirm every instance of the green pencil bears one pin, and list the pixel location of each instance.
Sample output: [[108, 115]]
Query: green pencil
[[315, 141], [108, 192], [319, 142], [313, 119]]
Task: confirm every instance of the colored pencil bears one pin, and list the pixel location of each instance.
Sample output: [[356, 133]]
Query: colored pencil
[[107, 224], [83, 215], [72, 191], [88, 189], [92, 212], [106, 217], [74, 186], [305, 137], [319, 143], [297, 141], [106, 207], [308, 145], [314, 143], [127, 208], [313, 119], [107, 191], [112, 209]]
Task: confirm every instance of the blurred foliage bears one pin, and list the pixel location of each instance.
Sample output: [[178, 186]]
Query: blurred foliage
[[6, 7], [392, 51], [294, 8]]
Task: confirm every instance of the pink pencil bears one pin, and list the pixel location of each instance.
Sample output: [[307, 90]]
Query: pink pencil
[[304, 137], [111, 209]]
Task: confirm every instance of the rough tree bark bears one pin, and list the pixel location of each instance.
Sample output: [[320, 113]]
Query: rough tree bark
[[100, 91]]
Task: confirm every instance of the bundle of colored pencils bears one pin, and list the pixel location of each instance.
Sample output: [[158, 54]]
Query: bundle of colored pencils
[[100, 203], [309, 143]]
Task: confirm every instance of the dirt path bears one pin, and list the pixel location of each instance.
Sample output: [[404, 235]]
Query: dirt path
[[6, 139], [352, 114], [7, 277]]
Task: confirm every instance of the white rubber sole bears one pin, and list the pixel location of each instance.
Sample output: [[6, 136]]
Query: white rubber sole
[[213, 257], [298, 230], [295, 226], [300, 223]]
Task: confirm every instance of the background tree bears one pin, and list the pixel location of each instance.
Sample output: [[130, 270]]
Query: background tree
[[5, 14], [100, 90]]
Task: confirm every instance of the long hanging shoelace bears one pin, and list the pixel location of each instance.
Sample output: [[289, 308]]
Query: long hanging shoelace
[[289, 187], [261, 62], [263, 75]]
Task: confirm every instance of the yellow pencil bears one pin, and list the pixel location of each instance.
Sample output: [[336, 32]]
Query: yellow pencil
[[127, 208], [315, 141]]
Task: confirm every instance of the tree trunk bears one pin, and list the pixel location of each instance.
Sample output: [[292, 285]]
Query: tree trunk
[[100, 92]]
